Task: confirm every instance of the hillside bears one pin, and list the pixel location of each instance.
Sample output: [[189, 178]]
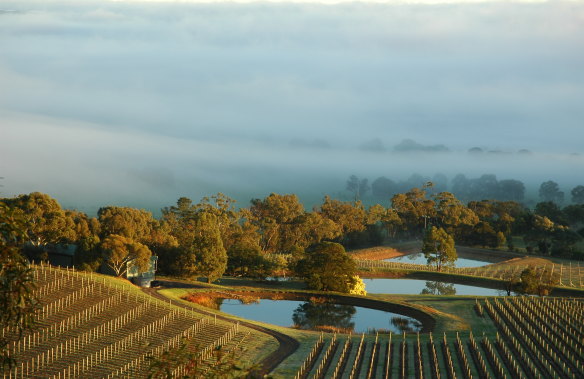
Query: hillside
[[93, 326]]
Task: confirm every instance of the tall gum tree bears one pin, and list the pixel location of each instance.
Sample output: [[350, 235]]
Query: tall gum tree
[[438, 248], [209, 253], [277, 217], [120, 251], [46, 222]]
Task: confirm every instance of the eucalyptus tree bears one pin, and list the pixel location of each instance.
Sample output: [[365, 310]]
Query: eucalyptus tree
[[120, 253], [278, 218], [550, 191], [210, 257], [136, 224], [46, 222], [451, 213], [348, 216], [438, 248], [414, 209]]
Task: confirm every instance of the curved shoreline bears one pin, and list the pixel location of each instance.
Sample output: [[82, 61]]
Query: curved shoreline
[[428, 322], [492, 283]]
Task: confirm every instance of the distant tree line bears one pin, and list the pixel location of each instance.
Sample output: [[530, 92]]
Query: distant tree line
[[486, 186], [277, 234]]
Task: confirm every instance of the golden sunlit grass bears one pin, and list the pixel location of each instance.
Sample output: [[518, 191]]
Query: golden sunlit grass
[[376, 253]]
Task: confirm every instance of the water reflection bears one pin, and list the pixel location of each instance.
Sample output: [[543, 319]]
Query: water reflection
[[416, 286], [438, 288], [407, 325], [317, 314], [420, 259], [321, 316]]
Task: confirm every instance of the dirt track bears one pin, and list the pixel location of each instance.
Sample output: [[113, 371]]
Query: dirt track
[[288, 345]]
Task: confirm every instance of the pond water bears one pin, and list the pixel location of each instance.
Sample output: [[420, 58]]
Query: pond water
[[425, 287], [308, 315], [419, 259]]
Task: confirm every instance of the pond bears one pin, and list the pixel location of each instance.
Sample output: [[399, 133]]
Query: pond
[[419, 259], [321, 316], [425, 287]]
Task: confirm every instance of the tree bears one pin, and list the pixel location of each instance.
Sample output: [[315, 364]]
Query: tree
[[223, 207], [550, 210], [349, 217], [438, 248], [179, 219], [135, 224], [440, 182], [358, 287], [363, 187], [358, 187], [578, 194], [461, 186], [210, 255], [535, 281], [482, 234], [46, 222], [451, 213], [510, 281], [414, 209], [485, 187], [383, 187], [278, 218], [391, 222], [550, 191], [327, 267], [17, 299], [248, 261], [121, 252], [511, 189], [574, 214], [87, 257]]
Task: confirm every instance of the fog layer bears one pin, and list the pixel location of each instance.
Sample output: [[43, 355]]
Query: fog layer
[[138, 104]]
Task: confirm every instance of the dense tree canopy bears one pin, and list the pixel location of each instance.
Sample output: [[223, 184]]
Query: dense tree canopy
[[327, 267], [195, 239], [46, 222], [120, 252], [136, 224], [550, 191], [348, 216], [415, 209]]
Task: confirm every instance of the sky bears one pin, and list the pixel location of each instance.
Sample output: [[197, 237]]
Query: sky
[[138, 103]]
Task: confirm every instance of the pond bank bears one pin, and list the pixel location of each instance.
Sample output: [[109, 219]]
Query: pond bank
[[476, 281], [427, 321]]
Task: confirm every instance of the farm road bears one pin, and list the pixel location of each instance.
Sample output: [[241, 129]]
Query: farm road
[[288, 345]]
